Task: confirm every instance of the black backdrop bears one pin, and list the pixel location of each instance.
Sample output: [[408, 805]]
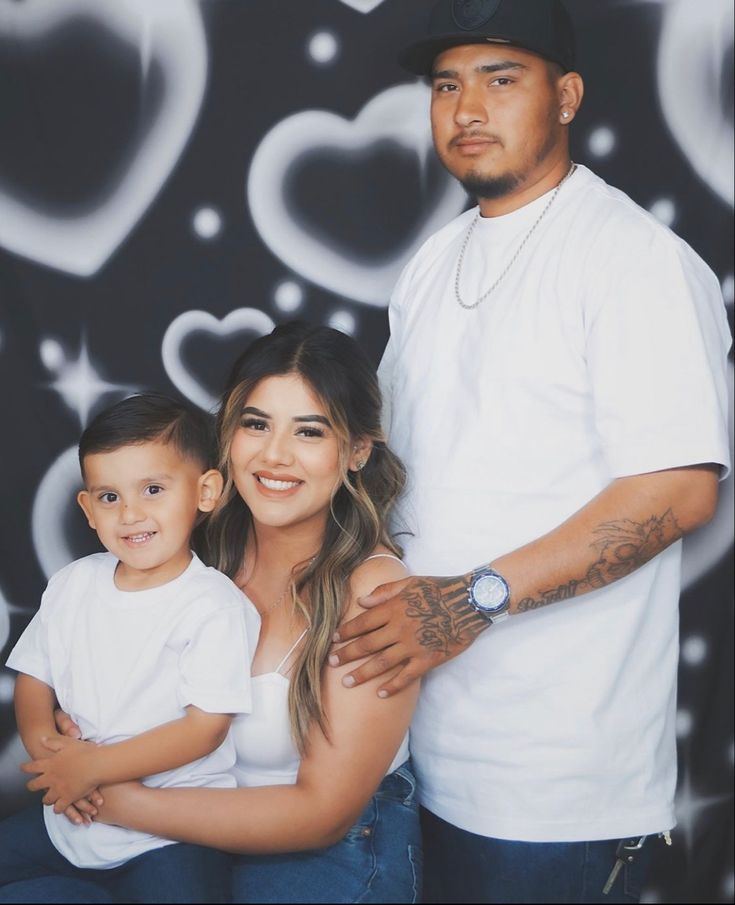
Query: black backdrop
[[176, 176]]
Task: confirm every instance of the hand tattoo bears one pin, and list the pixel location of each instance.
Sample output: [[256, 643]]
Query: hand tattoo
[[622, 547], [446, 619]]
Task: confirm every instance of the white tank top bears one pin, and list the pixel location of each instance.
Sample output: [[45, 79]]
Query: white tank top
[[266, 753]]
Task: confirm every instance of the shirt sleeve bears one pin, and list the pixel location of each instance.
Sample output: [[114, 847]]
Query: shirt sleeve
[[215, 659], [657, 358], [31, 652]]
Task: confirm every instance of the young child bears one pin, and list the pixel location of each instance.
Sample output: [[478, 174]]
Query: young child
[[147, 649]]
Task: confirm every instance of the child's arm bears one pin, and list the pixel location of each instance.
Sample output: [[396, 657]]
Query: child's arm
[[77, 767], [34, 712]]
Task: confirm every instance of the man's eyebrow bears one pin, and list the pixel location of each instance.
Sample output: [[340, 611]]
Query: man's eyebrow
[[485, 68]]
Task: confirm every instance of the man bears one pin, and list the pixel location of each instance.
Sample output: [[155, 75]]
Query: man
[[556, 374]]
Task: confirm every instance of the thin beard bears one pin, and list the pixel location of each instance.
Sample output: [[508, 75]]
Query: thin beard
[[489, 188]]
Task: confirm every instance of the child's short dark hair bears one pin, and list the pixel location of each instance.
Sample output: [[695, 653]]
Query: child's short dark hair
[[151, 417]]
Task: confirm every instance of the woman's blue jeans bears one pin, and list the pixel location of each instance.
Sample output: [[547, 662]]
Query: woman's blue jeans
[[379, 860]]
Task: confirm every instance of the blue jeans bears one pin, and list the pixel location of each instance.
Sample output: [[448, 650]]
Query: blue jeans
[[32, 870], [464, 867], [379, 860]]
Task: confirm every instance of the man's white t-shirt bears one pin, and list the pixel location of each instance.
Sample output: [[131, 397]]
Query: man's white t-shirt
[[123, 662], [602, 353]]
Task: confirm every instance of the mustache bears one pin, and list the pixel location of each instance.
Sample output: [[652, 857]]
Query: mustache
[[472, 134]]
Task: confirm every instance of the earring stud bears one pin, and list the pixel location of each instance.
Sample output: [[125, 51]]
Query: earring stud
[[565, 113]]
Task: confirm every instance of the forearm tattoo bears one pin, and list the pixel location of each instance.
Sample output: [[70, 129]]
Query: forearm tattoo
[[446, 619], [621, 548]]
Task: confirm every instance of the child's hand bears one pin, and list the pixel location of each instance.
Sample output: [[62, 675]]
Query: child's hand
[[67, 775]]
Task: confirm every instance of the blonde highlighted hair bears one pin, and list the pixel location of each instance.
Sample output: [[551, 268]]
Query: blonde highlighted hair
[[342, 377]]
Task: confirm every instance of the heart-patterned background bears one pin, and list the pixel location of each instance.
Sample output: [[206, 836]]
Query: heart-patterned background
[[178, 175]]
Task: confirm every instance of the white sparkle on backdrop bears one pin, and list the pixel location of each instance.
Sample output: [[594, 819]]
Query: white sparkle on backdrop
[[694, 650], [684, 723], [323, 47], [207, 223], [689, 807], [77, 381], [344, 321], [288, 296], [602, 141], [664, 210]]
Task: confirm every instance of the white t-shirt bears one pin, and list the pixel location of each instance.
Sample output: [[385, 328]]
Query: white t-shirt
[[602, 353], [122, 662]]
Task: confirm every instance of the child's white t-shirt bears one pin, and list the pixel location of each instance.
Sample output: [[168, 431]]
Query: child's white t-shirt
[[123, 662]]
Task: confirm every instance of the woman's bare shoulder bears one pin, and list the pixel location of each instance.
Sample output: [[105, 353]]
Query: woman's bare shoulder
[[380, 567]]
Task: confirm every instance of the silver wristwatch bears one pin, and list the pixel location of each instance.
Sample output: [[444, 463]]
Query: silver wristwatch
[[488, 593]]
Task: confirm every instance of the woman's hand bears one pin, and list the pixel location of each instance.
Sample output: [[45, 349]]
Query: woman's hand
[[66, 725]]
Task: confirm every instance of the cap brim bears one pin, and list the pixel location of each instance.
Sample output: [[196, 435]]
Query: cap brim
[[419, 58]]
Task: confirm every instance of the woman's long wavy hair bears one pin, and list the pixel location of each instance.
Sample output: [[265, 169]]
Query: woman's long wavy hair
[[342, 377]]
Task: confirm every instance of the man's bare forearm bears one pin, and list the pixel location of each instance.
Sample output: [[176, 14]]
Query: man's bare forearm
[[624, 527], [419, 623]]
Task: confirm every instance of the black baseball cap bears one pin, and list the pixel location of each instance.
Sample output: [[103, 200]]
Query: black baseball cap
[[541, 26]]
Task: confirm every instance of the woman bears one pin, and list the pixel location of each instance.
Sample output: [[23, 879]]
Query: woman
[[325, 811]]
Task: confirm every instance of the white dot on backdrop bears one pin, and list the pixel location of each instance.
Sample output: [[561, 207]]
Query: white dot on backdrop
[[602, 141], [343, 321], [288, 296], [323, 47], [683, 723], [728, 289], [650, 897], [207, 222], [728, 886], [693, 650], [52, 354], [7, 686], [664, 210]]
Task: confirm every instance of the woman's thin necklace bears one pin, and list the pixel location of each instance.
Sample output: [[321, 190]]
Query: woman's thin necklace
[[515, 257]]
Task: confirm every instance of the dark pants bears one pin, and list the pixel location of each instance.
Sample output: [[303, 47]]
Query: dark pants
[[463, 867], [32, 870]]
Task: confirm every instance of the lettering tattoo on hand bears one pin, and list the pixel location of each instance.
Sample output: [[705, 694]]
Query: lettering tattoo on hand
[[622, 547], [446, 620]]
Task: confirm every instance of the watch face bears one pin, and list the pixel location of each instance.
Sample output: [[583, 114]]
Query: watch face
[[490, 592]]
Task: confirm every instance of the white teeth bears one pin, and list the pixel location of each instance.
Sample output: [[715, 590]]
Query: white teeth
[[277, 485], [139, 538]]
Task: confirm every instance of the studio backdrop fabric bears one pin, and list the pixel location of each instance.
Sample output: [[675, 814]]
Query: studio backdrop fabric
[[176, 177]]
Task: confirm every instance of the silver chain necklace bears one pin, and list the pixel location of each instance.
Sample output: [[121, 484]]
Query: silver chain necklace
[[512, 261]]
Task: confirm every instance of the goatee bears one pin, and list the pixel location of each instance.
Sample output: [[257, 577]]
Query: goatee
[[489, 188]]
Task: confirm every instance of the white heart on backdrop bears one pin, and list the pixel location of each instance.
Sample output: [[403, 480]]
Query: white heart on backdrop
[[362, 6], [704, 548], [190, 322], [691, 93], [55, 496], [167, 31], [399, 114]]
